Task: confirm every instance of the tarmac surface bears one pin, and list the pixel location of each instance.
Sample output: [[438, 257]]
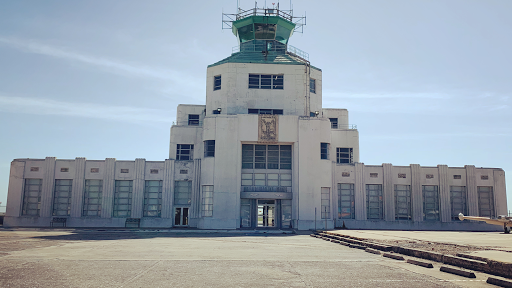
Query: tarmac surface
[[89, 258]]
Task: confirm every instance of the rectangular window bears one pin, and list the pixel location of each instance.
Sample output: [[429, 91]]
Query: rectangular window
[[184, 151], [346, 202], [324, 150], [430, 203], [153, 198], [217, 82], [403, 209], [255, 156], [62, 197], [258, 81], [182, 192], [286, 211], [374, 203], [312, 85], [193, 120], [209, 148], [334, 123], [458, 204], [344, 155], [207, 201], [123, 198], [92, 198], [266, 111], [485, 201], [32, 197], [326, 203]]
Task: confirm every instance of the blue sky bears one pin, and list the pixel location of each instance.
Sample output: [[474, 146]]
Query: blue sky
[[426, 82]]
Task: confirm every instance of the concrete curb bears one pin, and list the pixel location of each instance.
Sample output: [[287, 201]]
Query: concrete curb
[[370, 250], [457, 272], [420, 263], [499, 282], [393, 256]]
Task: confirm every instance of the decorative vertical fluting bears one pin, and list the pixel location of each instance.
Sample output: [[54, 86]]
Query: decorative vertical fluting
[[196, 190], [416, 193], [359, 191], [444, 194], [108, 188], [388, 189], [48, 183], [15, 190], [138, 188], [500, 193], [77, 190], [472, 200], [167, 189]]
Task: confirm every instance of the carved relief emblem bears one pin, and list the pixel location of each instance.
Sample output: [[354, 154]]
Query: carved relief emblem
[[267, 128]]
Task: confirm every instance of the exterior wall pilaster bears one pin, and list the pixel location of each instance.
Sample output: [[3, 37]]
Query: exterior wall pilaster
[[471, 188], [388, 190], [360, 195], [416, 193], [77, 191], [138, 188], [168, 189], [500, 192], [196, 190], [444, 194], [108, 188], [48, 184], [16, 186]]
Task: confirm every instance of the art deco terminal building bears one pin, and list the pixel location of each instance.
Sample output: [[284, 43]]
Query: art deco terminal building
[[262, 153]]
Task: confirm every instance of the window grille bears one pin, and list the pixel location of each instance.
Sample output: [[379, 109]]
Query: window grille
[[62, 197], [32, 197], [346, 202], [92, 198], [193, 120], [403, 202], [344, 155], [374, 202], [217, 81], [182, 192], [209, 148], [485, 201], [258, 81], [184, 151], [312, 86], [458, 204], [326, 203], [334, 123], [256, 156], [430, 203], [324, 150], [207, 201], [123, 198], [153, 198]]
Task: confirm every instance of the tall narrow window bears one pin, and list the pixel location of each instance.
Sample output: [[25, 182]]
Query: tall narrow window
[[485, 201], [324, 150], [403, 209], [182, 201], [32, 197], [326, 203], [334, 123], [123, 198], [153, 198], [184, 151], [346, 203], [430, 203], [458, 198], [62, 197], [92, 198], [193, 120], [312, 86], [209, 148], [374, 206], [207, 201], [344, 155], [217, 82]]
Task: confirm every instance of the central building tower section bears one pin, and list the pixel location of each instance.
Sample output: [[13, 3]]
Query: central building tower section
[[261, 152]]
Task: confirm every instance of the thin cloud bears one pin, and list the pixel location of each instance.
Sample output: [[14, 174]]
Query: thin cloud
[[37, 106], [110, 65]]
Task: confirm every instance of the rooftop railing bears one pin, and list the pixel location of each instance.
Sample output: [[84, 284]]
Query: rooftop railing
[[188, 123], [294, 51]]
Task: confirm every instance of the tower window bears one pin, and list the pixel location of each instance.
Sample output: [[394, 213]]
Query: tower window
[[193, 119], [184, 151], [344, 155], [324, 150], [258, 81], [216, 82], [266, 111], [209, 148], [334, 123], [312, 86]]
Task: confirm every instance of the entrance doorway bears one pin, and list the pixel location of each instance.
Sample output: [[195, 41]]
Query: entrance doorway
[[181, 216], [266, 213]]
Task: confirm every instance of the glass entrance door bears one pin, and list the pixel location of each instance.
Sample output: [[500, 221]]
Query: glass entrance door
[[266, 213], [181, 216]]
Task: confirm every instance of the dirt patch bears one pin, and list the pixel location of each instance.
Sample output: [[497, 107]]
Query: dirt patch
[[443, 248]]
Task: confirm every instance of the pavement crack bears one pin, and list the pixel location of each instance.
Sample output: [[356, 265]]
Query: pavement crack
[[140, 274]]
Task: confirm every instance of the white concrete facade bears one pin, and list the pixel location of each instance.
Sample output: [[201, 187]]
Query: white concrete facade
[[262, 153]]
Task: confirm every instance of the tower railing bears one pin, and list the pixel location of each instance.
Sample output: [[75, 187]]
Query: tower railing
[[294, 51]]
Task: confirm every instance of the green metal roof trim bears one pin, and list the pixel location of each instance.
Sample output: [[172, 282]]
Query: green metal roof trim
[[260, 58]]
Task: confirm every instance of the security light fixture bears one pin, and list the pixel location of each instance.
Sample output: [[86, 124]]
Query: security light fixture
[[316, 113], [219, 110]]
